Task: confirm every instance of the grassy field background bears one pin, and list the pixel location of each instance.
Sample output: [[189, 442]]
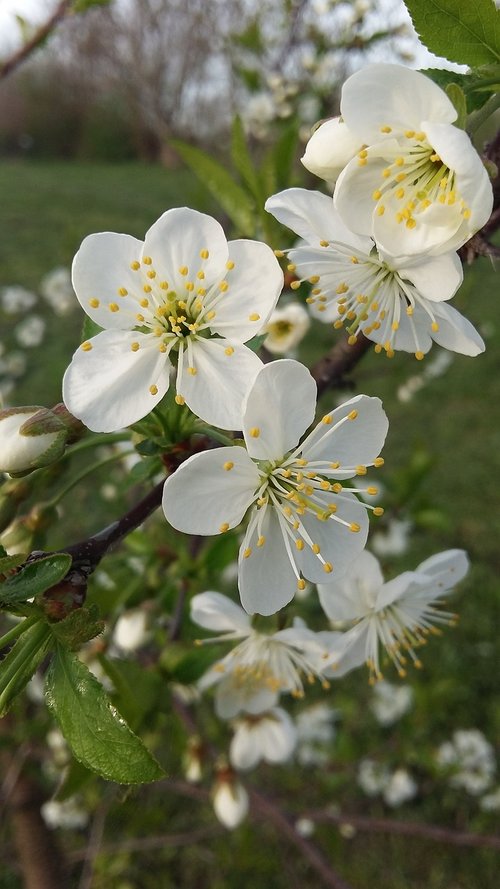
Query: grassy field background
[[453, 423]]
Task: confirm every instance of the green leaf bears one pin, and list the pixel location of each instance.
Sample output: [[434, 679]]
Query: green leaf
[[78, 627], [232, 198], [98, 736], [474, 87], [35, 578], [456, 95], [19, 665], [138, 690], [243, 162], [7, 563], [464, 31]]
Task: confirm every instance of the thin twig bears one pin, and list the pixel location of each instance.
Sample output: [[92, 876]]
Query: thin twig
[[145, 844], [40, 35]]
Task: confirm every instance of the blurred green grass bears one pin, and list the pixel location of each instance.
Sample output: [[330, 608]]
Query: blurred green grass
[[46, 210]]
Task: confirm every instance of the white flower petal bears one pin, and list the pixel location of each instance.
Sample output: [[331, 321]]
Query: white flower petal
[[436, 277], [254, 285], [312, 216], [330, 148], [338, 545], [213, 611], [177, 239], [447, 568], [108, 386], [353, 199], [266, 578], [405, 584], [231, 804], [456, 332], [279, 408], [210, 490], [348, 597], [356, 441], [391, 95], [243, 751], [101, 268], [225, 370]]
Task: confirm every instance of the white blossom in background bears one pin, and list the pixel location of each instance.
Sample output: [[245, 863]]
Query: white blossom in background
[[433, 369], [470, 759], [57, 291], [490, 802], [303, 522], [68, 814], [30, 332], [394, 540], [286, 328], [400, 788], [15, 300], [269, 736], [417, 184], [14, 364], [315, 734], [397, 616], [251, 676], [257, 113], [131, 630], [398, 302], [373, 777], [184, 298], [390, 702], [230, 800], [305, 827]]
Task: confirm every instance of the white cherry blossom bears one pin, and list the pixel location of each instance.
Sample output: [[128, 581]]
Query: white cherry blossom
[[417, 184], [330, 148], [251, 676], [397, 615], [286, 327], [269, 736], [184, 299], [230, 800], [397, 302], [303, 522]]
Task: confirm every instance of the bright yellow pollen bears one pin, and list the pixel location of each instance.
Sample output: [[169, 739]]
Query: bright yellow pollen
[[419, 356], [223, 286], [254, 432], [247, 553], [301, 584], [94, 303], [386, 129], [204, 254], [379, 461], [180, 400], [378, 511], [324, 243], [327, 419], [410, 134], [141, 318], [261, 541], [134, 346], [230, 264], [299, 543], [380, 210], [228, 465], [352, 415], [223, 527], [254, 317], [328, 567], [86, 346], [144, 303], [147, 260], [377, 194], [153, 390], [183, 270], [152, 273], [434, 326], [315, 549], [113, 307], [229, 351]]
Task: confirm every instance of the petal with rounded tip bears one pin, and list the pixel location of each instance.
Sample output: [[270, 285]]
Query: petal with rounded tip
[[266, 578], [312, 216], [435, 277], [176, 241], [351, 595], [101, 268], [213, 611], [330, 148]]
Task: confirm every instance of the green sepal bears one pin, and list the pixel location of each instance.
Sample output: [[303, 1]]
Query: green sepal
[[98, 736], [456, 96], [35, 578], [78, 627], [21, 662]]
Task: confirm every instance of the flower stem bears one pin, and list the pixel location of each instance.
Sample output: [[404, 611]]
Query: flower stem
[[477, 118], [18, 630]]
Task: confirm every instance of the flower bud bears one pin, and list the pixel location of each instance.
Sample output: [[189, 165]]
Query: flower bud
[[193, 760], [230, 799], [30, 437]]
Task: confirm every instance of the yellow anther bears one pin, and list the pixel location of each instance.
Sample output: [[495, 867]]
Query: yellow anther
[[147, 260], [314, 279], [362, 162], [153, 390], [254, 317], [204, 254], [301, 584], [377, 348], [399, 161], [410, 134], [400, 177], [327, 419], [223, 286], [386, 173], [395, 325], [378, 511], [291, 267], [315, 549], [337, 324], [352, 415], [386, 129], [336, 488], [328, 567], [113, 307], [151, 273], [230, 264], [228, 465], [324, 243], [247, 553], [400, 193], [419, 356], [86, 347], [135, 265], [299, 543], [335, 465], [229, 351], [210, 316], [377, 194], [141, 318], [380, 210], [360, 470], [354, 527], [434, 326], [324, 485], [94, 303], [192, 371], [180, 400], [411, 223], [342, 287], [295, 285], [435, 158], [189, 287], [134, 347], [420, 136], [379, 461], [372, 490], [200, 275], [183, 270], [466, 214], [122, 291], [254, 432], [162, 347], [223, 527], [409, 310], [363, 153], [261, 541], [147, 288], [164, 285]]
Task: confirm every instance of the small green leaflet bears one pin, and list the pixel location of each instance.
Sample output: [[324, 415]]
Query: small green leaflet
[[98, 736], [464, 31], [34, 579]]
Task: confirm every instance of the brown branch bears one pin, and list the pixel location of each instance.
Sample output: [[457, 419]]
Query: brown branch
[[411, 829], [331, 370], [40, 35], [146, 844]]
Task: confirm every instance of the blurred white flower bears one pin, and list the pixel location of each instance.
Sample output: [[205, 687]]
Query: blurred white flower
[[491, 801], [315, 734], [394, 541], [58, 292], [14, 364], [257, 113], [230, 800], [390, 702], [30, 332], [373, 777], [304, 827], [16, 300], [400, 788], [269, 736], [131, 630], [286, 328], [471, 760], [68, 814]]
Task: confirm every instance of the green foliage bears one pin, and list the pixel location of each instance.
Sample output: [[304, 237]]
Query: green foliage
[[456, 95], [78, 627], [21, 662], [476, 87], [96, 733], [459, 30], [233, 199], [34, 579]]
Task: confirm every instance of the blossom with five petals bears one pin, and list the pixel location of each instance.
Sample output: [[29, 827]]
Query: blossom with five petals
[[417, 184], [254, 673], [303, 522], [397, 302], [185, 298], [399, 614]]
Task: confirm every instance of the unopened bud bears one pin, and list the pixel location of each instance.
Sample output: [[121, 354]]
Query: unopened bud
[[193, 760], [230, 799], [30, 437]]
